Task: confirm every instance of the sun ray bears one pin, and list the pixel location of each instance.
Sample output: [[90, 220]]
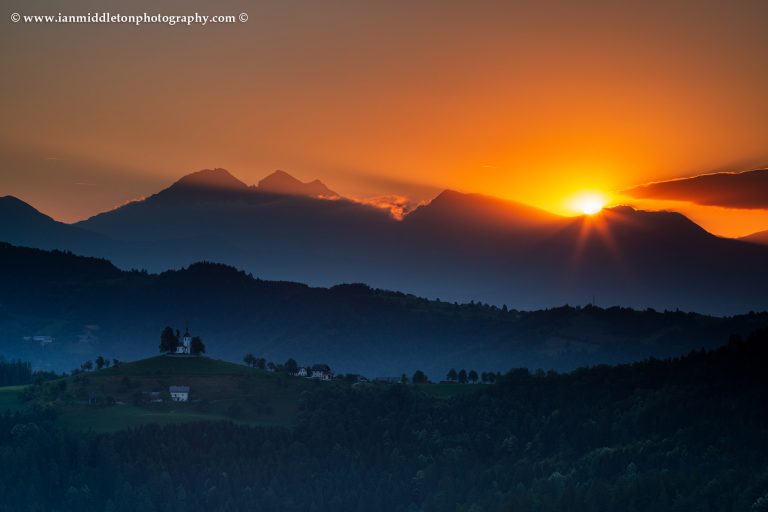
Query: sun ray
[[588, 203]]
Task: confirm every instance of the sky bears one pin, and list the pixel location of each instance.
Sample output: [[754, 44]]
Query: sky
[[531, 101]]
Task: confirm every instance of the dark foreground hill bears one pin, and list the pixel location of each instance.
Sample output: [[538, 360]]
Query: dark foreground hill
[[92, 308], [682, 435]]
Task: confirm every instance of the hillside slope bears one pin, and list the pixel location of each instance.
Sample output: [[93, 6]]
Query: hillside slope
[[137, 393], [681, 435], [93, 308]]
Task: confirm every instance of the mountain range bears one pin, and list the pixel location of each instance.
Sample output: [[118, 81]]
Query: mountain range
[[458, 247]]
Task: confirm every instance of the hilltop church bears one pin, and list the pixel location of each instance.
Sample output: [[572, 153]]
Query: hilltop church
[[185, 345]]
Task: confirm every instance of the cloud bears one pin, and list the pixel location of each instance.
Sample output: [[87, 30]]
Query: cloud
[[398, 206], [744, 190]]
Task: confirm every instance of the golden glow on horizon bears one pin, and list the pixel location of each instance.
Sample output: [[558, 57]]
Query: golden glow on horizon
[[527, 101], [588, 203]]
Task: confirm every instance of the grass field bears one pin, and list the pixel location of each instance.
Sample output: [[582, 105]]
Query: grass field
[[119, 397], [9, 399], [181, 365]]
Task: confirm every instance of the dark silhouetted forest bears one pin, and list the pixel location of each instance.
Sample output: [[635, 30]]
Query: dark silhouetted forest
[[685, 434], [90, 307], [14, 372]]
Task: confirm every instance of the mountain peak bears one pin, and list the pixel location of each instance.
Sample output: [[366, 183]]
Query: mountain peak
[[11, 206], [662, 223], [455, 207], [761, 237], [211, 178], [280, 182]]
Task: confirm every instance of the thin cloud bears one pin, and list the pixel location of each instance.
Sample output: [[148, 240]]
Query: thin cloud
[[398, 206], [743, 190]]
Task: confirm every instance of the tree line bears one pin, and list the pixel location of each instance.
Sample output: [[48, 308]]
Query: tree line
[[100, 362], [15, 372], [290, 366]]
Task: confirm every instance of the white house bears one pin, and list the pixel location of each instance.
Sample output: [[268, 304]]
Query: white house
[[301, 372], [185, 344], [179, 393], [322, 372]]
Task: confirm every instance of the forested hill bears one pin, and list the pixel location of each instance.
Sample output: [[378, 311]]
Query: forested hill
[[683, 435], [92, 308]]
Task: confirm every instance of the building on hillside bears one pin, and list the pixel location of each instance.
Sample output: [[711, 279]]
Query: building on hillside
[[322, 372], [185, 344], [179, 393], [301, 372]]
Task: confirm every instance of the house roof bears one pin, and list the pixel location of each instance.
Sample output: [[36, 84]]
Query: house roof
[[178, 389]]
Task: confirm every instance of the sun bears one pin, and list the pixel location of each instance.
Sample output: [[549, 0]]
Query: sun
[[588, 203]]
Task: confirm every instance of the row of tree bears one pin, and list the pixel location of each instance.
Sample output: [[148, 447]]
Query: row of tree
[[462, 376], [15, 372], [98, 363], [290, 366]]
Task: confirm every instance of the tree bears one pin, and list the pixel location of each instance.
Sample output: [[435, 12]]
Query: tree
[[106, 363], [473, 376], [419, 377], [452, 375], [115, 363], [261, 363], [168, 340], [250, 360], [88, 365], [463, 376], [197, 347], [271, 366], [403, 379], [291, 366], [100, 362]]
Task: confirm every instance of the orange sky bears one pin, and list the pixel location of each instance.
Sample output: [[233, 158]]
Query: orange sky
[[530, 101]]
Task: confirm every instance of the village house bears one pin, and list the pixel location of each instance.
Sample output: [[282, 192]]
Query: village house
[[179, 393], [322, 372], [301, 372]]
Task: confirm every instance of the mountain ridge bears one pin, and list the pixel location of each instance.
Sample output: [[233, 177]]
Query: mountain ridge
[[93, 308], [459, 247], [280, 182]]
